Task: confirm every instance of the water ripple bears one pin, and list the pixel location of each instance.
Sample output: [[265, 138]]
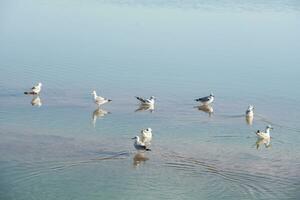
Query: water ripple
[[254, 184]]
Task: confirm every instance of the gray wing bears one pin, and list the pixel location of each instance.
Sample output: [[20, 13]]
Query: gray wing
[[147, 101], [140, 147], [100, 99], [203, 99]]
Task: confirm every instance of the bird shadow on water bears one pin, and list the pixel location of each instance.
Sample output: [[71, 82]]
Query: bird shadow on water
[[139, 158], [97, 114], [249, 120], [206, 109], [145, 107], [36, 100], [260, 141]]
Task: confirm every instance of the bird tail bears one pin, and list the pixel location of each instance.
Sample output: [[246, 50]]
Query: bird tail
[[148, 149], [140, 99], [109, 100], [29, 93], [257, 132]]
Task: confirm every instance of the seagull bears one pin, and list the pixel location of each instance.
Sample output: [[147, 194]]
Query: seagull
[[35, 89], [99, 100], [98, 113], [149, 101], [139, 145], [206, 100], [146, 136], [264, 135], [249, 115], [36, 101], [249, 111]]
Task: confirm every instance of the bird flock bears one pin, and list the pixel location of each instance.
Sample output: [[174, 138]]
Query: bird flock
[[143, 141]]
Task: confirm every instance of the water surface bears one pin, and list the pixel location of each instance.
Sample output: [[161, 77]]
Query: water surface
[[245, 53]]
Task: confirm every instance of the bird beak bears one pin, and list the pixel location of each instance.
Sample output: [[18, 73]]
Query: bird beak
[[133, 138]]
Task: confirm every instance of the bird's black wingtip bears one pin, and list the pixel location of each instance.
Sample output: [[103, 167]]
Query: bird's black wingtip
[[148, 149]]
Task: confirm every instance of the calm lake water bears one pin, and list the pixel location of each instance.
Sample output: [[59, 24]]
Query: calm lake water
[[245, 53]]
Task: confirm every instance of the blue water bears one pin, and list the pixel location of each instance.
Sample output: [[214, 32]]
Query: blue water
[[245, 53]]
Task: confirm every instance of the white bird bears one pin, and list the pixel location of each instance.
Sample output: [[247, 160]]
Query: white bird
[[35, 89], [139, 145], [264, 135], [149, 101], [146, 136], [206, 100], [36, 101], [250, 111], [99, 100], [249, 115]]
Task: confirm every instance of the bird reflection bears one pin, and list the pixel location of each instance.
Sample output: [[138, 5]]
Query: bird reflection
[[145, 107], [249, 120], [98, 113], [139, 158], [261, 141], [206, 108], [36, 101]]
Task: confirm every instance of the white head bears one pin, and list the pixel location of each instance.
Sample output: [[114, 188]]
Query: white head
[[94, 93], [39, 84], [212, 95], [147, 130], [152, 97], [136, 138], [269, 127], [250, 108]]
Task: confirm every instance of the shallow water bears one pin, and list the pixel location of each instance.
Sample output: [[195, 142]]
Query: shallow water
[[245, 53]]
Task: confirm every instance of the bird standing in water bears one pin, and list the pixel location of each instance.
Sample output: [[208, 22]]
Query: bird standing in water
[[139, 145], [35, 90], [148, 102], [264, 134], [99, 100], [206, 100]]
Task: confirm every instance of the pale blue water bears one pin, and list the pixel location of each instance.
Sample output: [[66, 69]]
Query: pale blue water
[[245, 53]]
